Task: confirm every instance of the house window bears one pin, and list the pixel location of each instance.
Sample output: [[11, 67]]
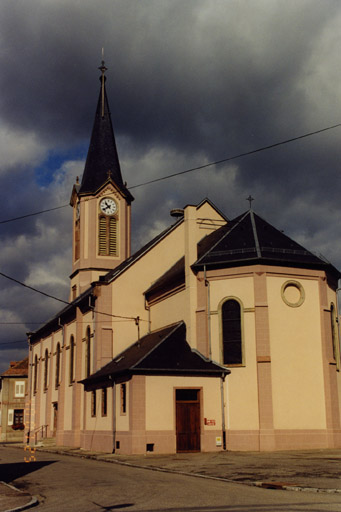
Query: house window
[[72, 360], [46, 369], [107, 236], [18, 419], [88, 352], [123, 390], [35, 374], [104, 402], [232, 350], [19, 389], [57, 379], [93, 403]]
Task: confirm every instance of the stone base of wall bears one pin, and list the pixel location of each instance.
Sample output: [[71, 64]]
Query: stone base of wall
[[97, 441], [254, 440], [164, 442]]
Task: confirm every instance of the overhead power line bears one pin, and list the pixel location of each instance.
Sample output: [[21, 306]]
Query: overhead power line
[[66, 302], [32, 214], [217, 162], [235, 157]]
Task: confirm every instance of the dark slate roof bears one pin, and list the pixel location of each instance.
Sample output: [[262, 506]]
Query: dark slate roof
[[102, 154], [171, 279], [249, 239], [162, 352], [85, 302]]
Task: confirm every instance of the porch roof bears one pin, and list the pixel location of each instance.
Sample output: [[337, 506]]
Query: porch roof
[[162, 352]]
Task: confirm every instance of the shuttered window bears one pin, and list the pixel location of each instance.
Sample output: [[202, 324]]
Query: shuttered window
[[107, 236]]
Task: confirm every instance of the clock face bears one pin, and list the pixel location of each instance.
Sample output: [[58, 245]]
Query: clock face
[[108, 206]]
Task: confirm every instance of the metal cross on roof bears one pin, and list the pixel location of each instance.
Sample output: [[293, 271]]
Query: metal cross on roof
[[250, 199], [109, 174]]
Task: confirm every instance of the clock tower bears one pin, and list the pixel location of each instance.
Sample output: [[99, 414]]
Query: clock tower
[[101, 205]]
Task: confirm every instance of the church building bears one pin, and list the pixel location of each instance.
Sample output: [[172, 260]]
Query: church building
[[217, 334]]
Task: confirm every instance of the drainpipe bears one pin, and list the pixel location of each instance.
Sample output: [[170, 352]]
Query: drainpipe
[[338, 329], [222, 382], [137, 323], [147, 308], [207, 284], [113, 416], [28, 434]]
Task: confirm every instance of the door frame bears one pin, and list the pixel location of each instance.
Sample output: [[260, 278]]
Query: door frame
[[197, 401]]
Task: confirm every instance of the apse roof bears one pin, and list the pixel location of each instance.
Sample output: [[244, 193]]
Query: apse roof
[[162, 352], [248, 239]]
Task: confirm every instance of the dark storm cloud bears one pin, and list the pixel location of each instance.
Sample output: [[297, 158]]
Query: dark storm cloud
[[189, 82]]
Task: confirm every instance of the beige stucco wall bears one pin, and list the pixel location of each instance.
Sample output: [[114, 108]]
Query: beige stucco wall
[[98, 422], [296, 355], [241, 384], [160, 400], [171, 309], [122, 419]]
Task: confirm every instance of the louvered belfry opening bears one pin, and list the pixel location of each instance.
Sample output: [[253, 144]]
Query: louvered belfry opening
[[107, 238]]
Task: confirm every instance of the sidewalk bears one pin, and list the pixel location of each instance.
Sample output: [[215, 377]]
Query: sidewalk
[[306, 470], [13, 499]]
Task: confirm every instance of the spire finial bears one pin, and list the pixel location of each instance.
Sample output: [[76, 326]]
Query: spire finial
[[103, 69], [250, 199]]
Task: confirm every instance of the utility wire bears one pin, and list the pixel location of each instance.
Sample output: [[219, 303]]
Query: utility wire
[[228, 159], [64, 301], [13, 342], [32, 214], [235, 157]]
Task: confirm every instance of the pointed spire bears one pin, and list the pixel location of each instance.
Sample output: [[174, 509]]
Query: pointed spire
[[102, 153]]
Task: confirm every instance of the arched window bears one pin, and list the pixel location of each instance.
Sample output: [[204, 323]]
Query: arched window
[[107, 236], [46, 369], [232, 350], [35, 374], [58, 352], [72, 360], [88, 352]]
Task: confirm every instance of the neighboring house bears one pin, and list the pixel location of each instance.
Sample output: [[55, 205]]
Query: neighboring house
[[13, 390], [216, 334]]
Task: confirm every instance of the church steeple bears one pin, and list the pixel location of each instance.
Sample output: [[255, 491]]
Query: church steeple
[[101, 205], [102, 160]]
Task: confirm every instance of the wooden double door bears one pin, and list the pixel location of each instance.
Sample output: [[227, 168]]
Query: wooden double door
[[188, 420]]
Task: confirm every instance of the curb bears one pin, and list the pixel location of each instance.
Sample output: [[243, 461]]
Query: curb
[[264, 485], [32, 503]]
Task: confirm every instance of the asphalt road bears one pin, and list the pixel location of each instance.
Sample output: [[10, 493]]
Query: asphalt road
[[65, 484]]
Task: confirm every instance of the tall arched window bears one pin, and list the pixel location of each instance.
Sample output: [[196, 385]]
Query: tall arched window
[[35, 374], [88, 352], [58, 352], [232, 350], [72, 360], [46, 369]]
